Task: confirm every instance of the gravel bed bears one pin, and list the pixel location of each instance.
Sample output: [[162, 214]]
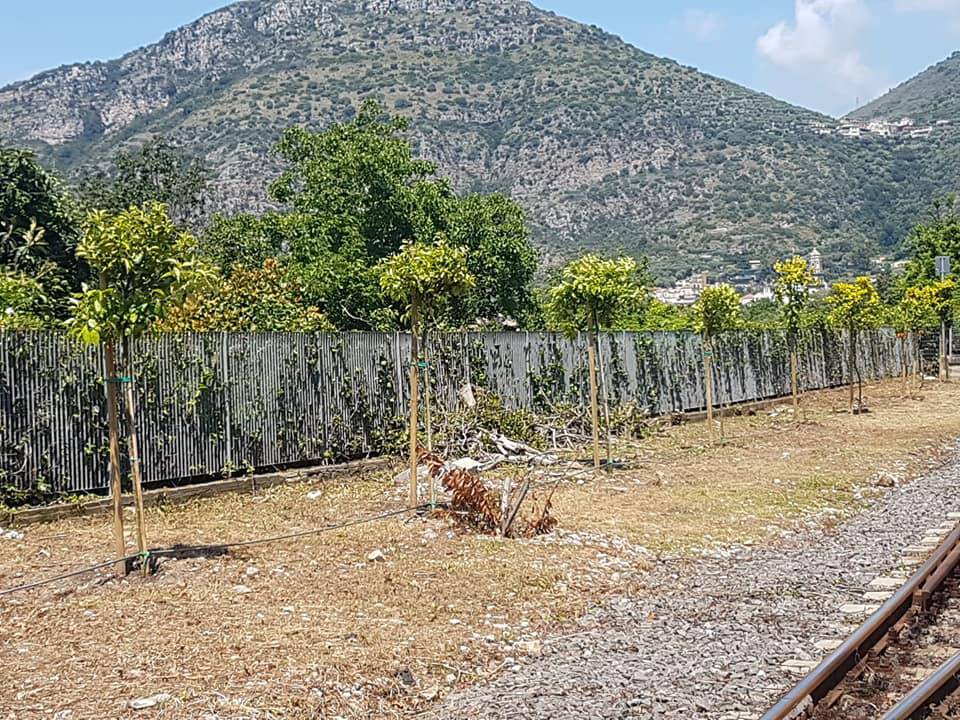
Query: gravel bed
[[711, 635]]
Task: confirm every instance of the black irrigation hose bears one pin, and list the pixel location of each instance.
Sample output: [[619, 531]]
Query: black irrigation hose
[[75, 573], [184, 549], [166, 552]]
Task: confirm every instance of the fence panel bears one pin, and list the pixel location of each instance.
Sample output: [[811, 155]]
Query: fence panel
[[220, 402]]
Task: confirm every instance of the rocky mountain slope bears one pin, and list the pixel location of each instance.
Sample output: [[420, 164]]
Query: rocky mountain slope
[[606, 146]]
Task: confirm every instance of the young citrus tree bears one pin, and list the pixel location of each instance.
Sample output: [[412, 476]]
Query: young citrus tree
[[854, 307], [917, 312], [718, 310], [593, 294], [792, 288], [423, 277], [144, 268]]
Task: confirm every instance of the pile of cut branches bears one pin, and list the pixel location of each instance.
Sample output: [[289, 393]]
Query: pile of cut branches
[[491, 510]]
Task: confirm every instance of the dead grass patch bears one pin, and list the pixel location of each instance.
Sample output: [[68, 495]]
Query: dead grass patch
[[315, 628]]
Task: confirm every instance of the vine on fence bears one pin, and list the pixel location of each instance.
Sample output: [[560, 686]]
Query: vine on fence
[[223, 403]]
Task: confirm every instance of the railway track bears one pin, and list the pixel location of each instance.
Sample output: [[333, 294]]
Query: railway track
[[903, 663]]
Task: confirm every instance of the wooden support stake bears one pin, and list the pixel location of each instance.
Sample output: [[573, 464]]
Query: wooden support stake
[[116, 484], [414, 390], [134, 454], [594, 409], [606, 403], [794, 385], [708, 378], [427, 414], [852, 361]]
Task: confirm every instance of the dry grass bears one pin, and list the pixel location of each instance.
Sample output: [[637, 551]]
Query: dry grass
[[313, 628]]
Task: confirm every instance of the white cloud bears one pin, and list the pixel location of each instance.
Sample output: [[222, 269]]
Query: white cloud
[[702, 24], [823, 37]]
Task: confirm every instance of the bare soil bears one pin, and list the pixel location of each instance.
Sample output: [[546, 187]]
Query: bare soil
[[384, 619]]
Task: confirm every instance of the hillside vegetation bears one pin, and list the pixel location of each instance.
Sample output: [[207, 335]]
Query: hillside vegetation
[[932, 95], [606, 147]]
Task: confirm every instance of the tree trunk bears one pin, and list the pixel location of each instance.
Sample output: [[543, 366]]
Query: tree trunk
[[594, 409], [852, 362], [116, 482], [708, 382], [134, 453], [414, 390], [944, 368], [918, 361], [606, 402], [427, 417], [794, 385]]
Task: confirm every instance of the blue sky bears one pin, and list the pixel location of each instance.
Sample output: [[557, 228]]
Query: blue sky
[[822, 54]]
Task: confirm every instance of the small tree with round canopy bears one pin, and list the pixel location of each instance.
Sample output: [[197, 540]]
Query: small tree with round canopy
[[792, 288], [718, 310], [855, 307], [593, 294], [144, 267], [423, 277]]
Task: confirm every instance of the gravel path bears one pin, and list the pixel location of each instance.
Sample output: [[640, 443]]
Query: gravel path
[[710, 638]]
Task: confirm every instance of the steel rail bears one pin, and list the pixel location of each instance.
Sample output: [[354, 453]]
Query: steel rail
[[912, 595], [935, 689]]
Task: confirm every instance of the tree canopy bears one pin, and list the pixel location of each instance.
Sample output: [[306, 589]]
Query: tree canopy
[[39, 230], [157, 171], [939, 234], [792, 288], [354, 195], [717, 311], [144, 265], [425, 277], [592, 293]]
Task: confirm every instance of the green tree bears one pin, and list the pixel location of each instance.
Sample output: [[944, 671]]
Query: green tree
[[855, 307], [264, 299], [157, 171], [792, 288], [500, 257], [920, 310], [718, 310], [938, 235], [763, 314], [661, 317], [424, 278], [39, 229], [362, 183], [21, 300], [354, 194], [144, 266], [594, 294]]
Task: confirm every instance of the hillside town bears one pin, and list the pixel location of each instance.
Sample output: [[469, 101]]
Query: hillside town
[[752, 284], [905, 128]]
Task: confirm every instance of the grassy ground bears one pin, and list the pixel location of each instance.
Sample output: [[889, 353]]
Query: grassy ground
[[319, 627]]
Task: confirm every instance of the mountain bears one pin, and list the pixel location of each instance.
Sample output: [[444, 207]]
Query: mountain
[[931, 96], [606, 146]]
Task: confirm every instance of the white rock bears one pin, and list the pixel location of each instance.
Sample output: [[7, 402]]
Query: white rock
[[314, 494], [529, 647], [376, 556], [241, 589], [149, 702]]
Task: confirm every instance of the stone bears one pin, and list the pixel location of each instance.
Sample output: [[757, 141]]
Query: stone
[[828, 645], [529, 647], [149, 702], [886, 583], [376, 556]]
